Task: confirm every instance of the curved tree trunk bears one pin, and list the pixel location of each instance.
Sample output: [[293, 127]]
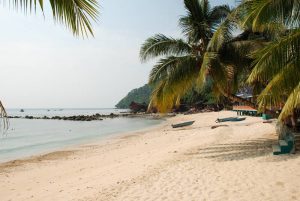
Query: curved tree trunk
[[3, 116], [235, 98]]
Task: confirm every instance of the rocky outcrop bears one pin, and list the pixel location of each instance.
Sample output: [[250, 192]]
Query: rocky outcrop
[[138, 107], [94, 117]]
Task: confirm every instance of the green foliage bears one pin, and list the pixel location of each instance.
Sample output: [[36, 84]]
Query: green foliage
[[143, 95], [204, 96], [277, 65], [274, 73], [76, 15], [175, 74], [139, 95]]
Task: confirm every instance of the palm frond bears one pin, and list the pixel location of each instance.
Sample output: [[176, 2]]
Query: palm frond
[[262, 12], [217, 15], [163, 68], [74, 14], [212, 67], [279, 88], [238, 53], [222, 35], [271, 59], [160, 45], [194, 24], [178, 81], [292, 102]]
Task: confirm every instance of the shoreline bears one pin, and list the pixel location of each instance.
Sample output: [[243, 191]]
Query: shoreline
[[162, 163], [97, 140], [93, 117]]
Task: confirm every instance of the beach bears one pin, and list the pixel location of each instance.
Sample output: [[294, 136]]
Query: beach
[[198, 162]]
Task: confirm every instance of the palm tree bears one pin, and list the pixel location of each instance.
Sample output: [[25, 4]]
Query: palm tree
[[176, 73], [226, 61], [76, 15], [278, 63]]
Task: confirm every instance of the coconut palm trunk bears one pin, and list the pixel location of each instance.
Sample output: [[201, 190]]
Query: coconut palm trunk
[[235, 98]]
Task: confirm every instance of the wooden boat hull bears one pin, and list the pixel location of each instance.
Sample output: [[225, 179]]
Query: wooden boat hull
[[188, 123], [230, 119]]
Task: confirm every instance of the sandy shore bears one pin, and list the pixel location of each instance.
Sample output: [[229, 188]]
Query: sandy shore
[[232, 162]]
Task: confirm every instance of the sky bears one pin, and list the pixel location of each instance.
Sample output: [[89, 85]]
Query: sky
[[44, 66]]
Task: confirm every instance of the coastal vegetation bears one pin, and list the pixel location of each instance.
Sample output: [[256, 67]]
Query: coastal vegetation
[[77, 16], [176, 72], [138, 95], [263, 57], [192, 98], [274, 73]]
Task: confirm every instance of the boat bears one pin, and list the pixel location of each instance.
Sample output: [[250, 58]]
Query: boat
[[230, 119], [188, 123]]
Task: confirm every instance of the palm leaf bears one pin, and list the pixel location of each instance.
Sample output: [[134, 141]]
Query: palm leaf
[[262, 12], [163, 68], [160, 45], [177, 82], [217, 14], [279, 88], [74, 14], [292, 102], [271, 59]]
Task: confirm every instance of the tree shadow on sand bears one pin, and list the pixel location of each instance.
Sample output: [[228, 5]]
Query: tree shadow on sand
[[236, 151]]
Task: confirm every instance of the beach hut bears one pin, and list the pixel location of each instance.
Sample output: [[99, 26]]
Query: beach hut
[[243, 109]]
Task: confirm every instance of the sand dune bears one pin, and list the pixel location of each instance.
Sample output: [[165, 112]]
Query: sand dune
[[232, 162]]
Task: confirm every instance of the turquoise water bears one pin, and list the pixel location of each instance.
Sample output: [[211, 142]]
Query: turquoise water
[[31, 137]]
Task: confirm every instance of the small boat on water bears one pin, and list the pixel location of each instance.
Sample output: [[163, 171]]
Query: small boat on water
[[230, 119], [188, 123]]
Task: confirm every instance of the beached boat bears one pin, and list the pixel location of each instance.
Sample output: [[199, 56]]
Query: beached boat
[[188, 123], [230, 119]]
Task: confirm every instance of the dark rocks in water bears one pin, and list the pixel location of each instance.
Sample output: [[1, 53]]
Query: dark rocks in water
[[80, 117], [14, 117], [94, 117], [56, 117], [21, 110]]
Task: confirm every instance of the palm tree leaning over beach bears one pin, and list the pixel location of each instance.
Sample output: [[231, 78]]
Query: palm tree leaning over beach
[[226, 61], [76, 15], [278, 64], [275, 66], [176, 73]]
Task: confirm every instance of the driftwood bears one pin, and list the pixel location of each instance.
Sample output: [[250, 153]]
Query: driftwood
[[213, 127]]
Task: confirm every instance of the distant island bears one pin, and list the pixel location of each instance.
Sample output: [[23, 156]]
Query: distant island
[[138, 95], [192, 99]]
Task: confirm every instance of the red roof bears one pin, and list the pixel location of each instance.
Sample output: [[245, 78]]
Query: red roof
[[244, 108]]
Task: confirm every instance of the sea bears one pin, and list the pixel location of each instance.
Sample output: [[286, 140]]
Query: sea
[[28, 137]]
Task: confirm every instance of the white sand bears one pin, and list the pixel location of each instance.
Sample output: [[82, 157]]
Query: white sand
[[185, 164]]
